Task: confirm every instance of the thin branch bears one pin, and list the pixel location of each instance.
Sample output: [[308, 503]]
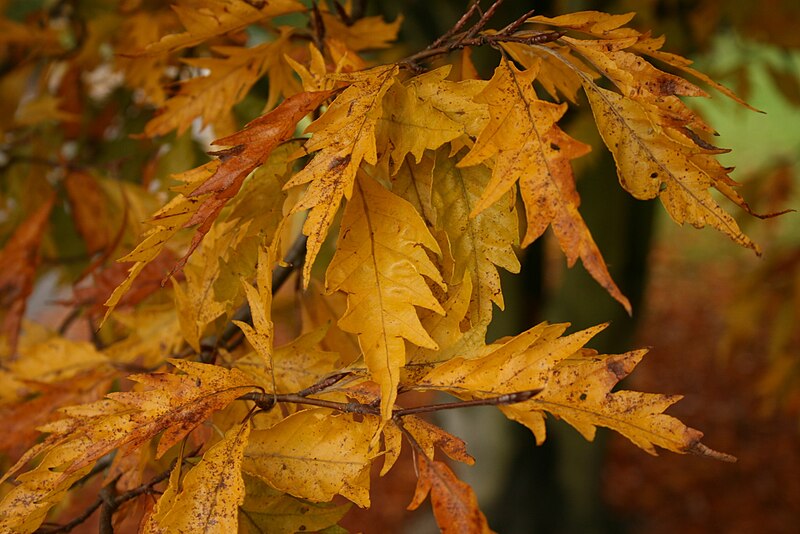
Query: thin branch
[[457, 26], [508, 398], [484, 19], [481, 40], [514, 26], [266, 401]]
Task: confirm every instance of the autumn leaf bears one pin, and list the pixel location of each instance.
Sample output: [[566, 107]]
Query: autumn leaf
[[380, 263], [529, 147], [576, 386], [174, 405], [455, 505], [211, 186], [208, 498], [230, 77], [650, 163], [217, 17], [314, 455], [363, 34], [344, 136], [479, 243], [18, 261], [268, 510], [25, 506]]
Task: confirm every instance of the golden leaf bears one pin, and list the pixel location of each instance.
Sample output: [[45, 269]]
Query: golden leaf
[[217, 17], [212, 97], [25, 506], [576, 386], [314, 455], [479, 243], [455, 505], [216, 182], [344, 136], [528, 146], [411, 124], [651, 163], [380, 264], [268, 510], [209, 497]]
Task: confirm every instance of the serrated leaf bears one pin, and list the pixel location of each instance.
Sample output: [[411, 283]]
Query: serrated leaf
[[380, 263], [344, 136], [479, 243], [268, 510], [528, 146], [651, 163], [209, 497], [314, 455], [455, 505], [576, 385], [212, 185], [211, 97], [217, 17]]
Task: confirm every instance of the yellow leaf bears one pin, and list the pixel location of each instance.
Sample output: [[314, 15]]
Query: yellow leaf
[[344, 136], [212, 97], [594, 23], [217, 17], [212, 491], [364, 34], [528, 146], [268, 510], [411, 124], [453, 99], [576, 385], [429, 437], [480, 243], [650, 164], [24, 508], [210, 186], [380, 264], [175, 404], [56, 359], [261, 333], [635, 77], [297, 365], [314, 455]]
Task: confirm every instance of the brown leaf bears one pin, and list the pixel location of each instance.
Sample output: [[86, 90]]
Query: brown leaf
[[455, 506], [18, 262]]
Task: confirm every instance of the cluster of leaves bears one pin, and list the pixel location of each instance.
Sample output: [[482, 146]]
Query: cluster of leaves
[[424, 163]]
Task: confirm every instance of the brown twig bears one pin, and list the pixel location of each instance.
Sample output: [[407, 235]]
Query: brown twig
[[481, 40], [266, 401]]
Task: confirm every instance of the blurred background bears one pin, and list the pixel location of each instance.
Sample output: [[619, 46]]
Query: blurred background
[[721, 323]]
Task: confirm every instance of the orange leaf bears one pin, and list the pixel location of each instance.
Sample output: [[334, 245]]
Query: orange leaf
[[18, 261], [455, 506]]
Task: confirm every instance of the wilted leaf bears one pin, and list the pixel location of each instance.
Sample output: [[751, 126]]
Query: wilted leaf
[[18, 261], [455, 506]]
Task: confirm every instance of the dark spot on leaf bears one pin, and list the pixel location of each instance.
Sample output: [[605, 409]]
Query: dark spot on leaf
[[555, 146], [618, 368], [653, 175], [339, 162], [583, 396]]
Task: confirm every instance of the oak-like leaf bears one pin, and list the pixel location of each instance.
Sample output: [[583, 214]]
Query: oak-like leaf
[[576, 385], [380, 263], [314, 455], [344, 136], [455, 505], [208, 498], [529, 147]]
